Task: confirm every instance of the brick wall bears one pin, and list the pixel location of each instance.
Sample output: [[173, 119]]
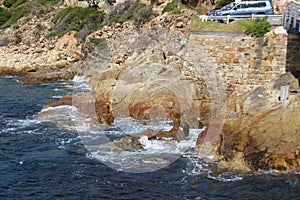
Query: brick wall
[[246, 62]]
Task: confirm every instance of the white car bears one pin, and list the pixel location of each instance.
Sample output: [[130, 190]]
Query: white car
[[247, 8]]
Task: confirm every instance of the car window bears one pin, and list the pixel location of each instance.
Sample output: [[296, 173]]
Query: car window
[[228, 7], [252, 5], [262, 4], [241, 6]]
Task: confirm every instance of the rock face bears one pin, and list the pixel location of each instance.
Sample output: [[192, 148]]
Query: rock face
[[26, 48], [143, 78], [173, 21], [264, 133], [152, 81]]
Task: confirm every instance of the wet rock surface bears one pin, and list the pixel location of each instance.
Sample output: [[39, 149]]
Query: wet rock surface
[[264, 133]]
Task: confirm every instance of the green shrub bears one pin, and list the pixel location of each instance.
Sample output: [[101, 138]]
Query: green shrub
[[21, 8], [75, 19], [13, 3], [130, 10], [224, 3], [259, 27], [50, 2], [5, 16], [17, 11], [175, 6], [142, 14], [100, 42], [9, 3]]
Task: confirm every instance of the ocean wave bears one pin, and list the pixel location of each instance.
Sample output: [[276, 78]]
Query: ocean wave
[[21, 126], [197, 166], [80, 84]]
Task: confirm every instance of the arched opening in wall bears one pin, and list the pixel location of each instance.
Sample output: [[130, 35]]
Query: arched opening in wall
[[293, 55]]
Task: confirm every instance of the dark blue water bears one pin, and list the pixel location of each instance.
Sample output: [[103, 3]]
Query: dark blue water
[[40, 161]]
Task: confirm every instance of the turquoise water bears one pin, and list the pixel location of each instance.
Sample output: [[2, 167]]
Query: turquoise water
[[40, 161]]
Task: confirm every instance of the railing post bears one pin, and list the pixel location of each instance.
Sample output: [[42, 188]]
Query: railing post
[[227, 19], [290, 14], [285, 16], [295, 16]]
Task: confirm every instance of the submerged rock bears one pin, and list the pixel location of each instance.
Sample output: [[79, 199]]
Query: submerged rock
[[129, 142], [47, 76]]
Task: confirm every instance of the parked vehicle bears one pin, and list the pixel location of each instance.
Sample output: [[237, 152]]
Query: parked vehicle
[[247, 8], [214, 11]]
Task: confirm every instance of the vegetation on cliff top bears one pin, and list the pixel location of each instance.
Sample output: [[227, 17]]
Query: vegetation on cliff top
[[257, 27], [77, 19], [176, 6], [133, 10], [20, 8], [82, 20], [87, 20]]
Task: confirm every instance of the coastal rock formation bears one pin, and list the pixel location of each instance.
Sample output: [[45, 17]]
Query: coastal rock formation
[[151, 82], [26, 48], [263, 133], [156, 73]]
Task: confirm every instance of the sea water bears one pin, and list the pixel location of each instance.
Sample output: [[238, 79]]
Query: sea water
[[41, 160]]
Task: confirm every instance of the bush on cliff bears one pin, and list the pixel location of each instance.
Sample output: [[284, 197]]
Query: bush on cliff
[[87, 20], [259, 27], [9, 3], [21, 8], [18, 10], [100, 42], [5, 16], [175, 6], [76, 19], [130, 10]]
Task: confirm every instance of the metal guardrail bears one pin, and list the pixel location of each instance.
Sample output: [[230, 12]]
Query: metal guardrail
[[275, 20], [292, 16]]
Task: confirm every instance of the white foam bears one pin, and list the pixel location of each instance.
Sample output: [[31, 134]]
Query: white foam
[[10, 77], [80, 84], [79, 79], [57, 89], [56, 97], [221, 178], [154, 155], [132, 126], [20, 126], [62, 109], [198, 167]]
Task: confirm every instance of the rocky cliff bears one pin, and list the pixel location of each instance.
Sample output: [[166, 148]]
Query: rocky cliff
[[26, 49], [262, 131]]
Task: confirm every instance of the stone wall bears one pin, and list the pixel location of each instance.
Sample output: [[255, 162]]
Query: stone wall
[[246, 62], [279, 6]]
